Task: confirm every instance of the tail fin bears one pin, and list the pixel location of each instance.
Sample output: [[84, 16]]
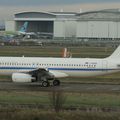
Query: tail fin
[[66, 53], [24, 27], [116, 53]]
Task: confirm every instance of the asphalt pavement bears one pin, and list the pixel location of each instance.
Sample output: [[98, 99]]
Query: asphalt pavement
[[67, 87]]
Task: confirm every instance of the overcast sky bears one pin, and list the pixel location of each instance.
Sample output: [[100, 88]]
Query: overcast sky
[[50, 2], [9, 7]]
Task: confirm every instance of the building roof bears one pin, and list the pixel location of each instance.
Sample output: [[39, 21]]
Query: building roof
[[44, 15], [64, 13], [35, 16], [106, 14]]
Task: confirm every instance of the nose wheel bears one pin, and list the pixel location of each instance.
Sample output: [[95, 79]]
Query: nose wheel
[[56, 82]]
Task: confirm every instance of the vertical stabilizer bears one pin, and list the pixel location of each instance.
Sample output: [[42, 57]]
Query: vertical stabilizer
[[66, 53], [116, 53], [23, 29]]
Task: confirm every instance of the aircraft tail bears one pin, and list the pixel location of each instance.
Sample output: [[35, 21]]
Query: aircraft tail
[[116, 53], [66, 53], [23, 29]]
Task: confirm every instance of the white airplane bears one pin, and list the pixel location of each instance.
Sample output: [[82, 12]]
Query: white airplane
[[37, 69]]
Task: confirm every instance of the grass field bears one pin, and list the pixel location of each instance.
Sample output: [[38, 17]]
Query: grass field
[[35, 114], [54, 51], [71, 99], [17, 106]]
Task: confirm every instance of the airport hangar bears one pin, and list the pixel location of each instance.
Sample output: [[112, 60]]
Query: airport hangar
[[93, 25]]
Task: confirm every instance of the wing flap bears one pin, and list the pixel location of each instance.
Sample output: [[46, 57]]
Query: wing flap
[[58, 74]]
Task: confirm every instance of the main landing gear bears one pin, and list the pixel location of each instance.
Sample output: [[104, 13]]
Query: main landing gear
[[56, 82], [46, 83]]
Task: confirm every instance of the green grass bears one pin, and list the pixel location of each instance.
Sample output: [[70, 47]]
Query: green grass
[[54, 51], [35, 114], [72, 99], [94, 100], [24, 97]]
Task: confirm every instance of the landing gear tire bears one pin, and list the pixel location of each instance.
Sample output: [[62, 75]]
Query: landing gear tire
[[45, 84], [56, 83]]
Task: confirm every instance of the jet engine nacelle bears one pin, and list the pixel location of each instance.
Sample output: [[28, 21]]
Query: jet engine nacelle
[[22, 77]]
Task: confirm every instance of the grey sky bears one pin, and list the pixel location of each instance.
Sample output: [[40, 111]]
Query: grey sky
[[49, 2], [9, 7]]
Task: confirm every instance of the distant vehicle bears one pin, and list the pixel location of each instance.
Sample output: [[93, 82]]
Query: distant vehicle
[[43, 69]]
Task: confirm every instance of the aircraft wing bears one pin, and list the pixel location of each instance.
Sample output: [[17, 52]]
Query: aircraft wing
[[41, 72]]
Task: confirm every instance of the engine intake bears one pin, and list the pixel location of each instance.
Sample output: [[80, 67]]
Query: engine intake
[[22, 77]]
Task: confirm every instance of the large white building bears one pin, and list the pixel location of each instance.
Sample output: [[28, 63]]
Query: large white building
[[103, 24], [60, 24]]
